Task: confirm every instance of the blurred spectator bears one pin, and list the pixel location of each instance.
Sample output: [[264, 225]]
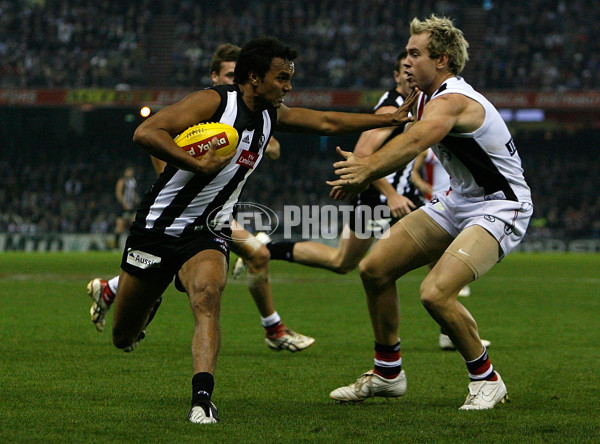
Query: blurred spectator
[[538, 44]]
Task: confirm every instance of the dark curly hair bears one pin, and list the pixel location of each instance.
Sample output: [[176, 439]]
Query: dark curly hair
[[256, 56]]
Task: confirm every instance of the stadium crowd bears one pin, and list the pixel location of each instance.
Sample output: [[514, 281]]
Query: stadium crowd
[[538, 44]]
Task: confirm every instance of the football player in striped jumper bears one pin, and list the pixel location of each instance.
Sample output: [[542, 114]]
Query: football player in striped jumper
[[182, 225], [249, 248], [482, 218]]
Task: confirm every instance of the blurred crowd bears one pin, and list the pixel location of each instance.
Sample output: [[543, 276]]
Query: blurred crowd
[[45, 194], [539, 44]]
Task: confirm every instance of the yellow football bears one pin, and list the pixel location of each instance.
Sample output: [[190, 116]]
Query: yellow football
[[195, 140]]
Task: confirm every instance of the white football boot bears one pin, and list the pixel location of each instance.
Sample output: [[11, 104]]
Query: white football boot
[[286, 339], [204, 414], [239, 268], [370, 385], [465, 292], [96, 289], [484, 395]]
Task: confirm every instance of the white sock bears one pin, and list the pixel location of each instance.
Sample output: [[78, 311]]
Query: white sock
[[270, 320], [113, 284]]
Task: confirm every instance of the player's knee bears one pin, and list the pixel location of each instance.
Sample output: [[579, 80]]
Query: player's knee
[[259, 260], [371, 273], [432, 297], [122, 338], [205, 298], [343, 265]]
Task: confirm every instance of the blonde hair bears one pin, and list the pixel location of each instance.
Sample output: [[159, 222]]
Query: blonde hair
[[444, 38]]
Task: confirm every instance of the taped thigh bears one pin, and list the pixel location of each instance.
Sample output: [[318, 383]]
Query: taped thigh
[[431, 238], [476, 248]]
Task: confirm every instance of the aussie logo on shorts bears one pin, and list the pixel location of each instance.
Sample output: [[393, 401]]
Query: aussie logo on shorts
[[143, 260]]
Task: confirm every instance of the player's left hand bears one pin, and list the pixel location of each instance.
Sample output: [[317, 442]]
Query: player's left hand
[[400, 205], [354, 176]]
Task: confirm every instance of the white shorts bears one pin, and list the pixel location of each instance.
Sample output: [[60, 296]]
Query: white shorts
[[506, 220]]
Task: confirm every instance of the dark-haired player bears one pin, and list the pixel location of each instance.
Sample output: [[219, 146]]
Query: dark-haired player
[[170, 237]]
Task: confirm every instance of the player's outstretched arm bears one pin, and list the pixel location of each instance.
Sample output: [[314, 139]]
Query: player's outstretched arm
[[439, 117]]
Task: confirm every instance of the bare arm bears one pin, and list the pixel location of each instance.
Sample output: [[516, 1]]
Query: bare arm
[[439, 117], [273, 150], [371, 140], [305, 120], [424, 187], [156, 133], [399, 205]]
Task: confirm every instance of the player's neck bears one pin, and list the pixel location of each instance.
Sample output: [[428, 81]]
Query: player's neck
[[250, 99], [435, 85]]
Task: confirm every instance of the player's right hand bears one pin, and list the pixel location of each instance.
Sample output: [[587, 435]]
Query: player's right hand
[[210, 163]]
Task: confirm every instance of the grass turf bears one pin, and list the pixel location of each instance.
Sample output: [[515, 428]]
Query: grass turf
[[62, 381]]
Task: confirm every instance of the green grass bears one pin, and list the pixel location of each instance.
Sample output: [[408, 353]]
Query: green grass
[[61, 381]]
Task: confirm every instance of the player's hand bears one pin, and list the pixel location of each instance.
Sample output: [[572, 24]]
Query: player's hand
[[353, 175], [210, 163], [400, 205], [400, 116]]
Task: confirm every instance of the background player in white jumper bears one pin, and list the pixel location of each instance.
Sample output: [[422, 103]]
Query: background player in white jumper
[[251, 248], [481, 220]]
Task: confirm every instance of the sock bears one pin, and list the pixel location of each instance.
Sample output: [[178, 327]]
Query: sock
[[273, 325], [276, 330], [113, 285], [107, 295], [481, 368], [388, 362], [202, 387], [270, 320], [282, 250]]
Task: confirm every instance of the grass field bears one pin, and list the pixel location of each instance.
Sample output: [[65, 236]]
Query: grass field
[[61, 381]]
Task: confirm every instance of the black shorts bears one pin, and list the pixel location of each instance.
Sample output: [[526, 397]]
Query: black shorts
[[370, 216], [149, 254]]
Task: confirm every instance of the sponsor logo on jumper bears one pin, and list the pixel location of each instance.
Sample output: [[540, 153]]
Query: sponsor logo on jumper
[[246, 139], [247, 159], [489, 218], [200, 148], [143, 260]]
